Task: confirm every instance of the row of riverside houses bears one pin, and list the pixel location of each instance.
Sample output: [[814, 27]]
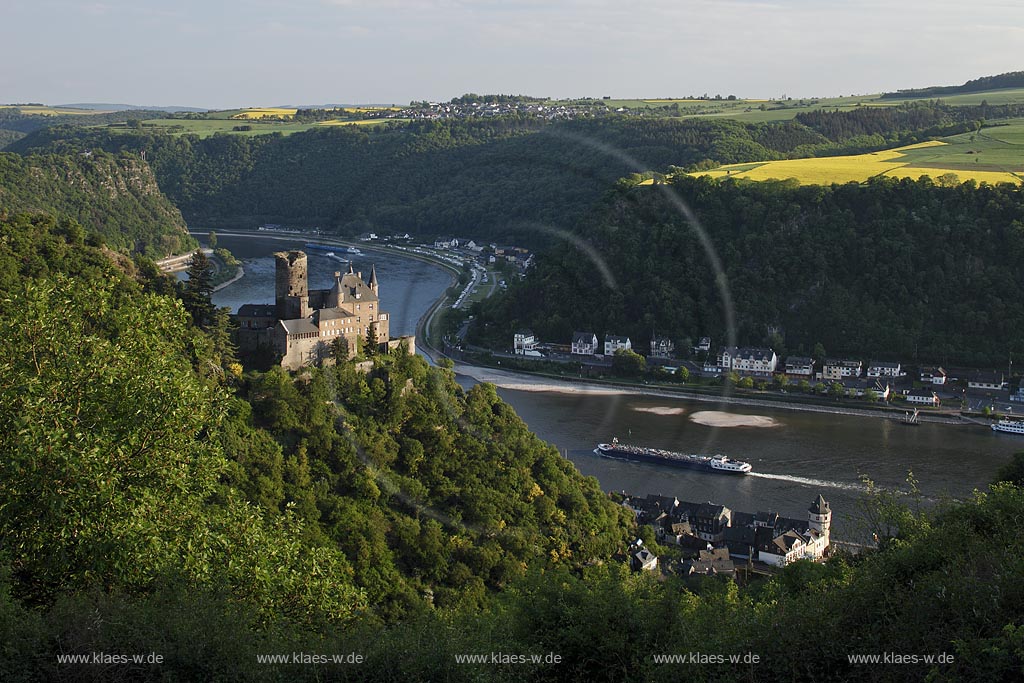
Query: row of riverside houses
[[877, 376], [713, 536]]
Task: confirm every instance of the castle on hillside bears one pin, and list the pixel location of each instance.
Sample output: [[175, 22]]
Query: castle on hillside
[[302, 326]]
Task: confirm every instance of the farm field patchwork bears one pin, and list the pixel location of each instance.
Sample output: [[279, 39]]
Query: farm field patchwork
[[43, 110], [993, 155], [206, 127]]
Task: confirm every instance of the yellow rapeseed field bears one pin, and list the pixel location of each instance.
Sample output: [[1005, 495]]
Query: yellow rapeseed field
[[858, 168], [265, 112]]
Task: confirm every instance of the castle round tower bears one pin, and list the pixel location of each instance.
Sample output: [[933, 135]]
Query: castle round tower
[[290, 285], [819, 515]]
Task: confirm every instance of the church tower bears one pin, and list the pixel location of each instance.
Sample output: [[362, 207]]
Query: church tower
[[819, 516]]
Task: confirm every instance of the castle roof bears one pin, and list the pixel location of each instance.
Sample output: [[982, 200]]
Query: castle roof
[[333, 313], [299, 326]]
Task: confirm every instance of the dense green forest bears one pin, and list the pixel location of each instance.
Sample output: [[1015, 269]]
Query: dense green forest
[[504, 179], [927, 119], [115, 198], [891, 269], [1013, 79]]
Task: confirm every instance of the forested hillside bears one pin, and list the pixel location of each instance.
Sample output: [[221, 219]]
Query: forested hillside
[[115, 198], [503, 179], [140, 461], [1013, 79], [889, 269]]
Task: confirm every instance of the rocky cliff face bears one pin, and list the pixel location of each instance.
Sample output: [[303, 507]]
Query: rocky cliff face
[[115, 198]]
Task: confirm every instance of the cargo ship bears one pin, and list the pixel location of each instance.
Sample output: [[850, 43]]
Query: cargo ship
[[712, 463], [1009, 426]]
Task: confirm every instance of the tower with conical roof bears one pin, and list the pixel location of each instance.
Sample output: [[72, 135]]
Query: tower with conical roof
[[373, 280], [819, 515]]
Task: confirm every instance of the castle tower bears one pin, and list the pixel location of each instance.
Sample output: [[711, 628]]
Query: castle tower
[[819, 515], [335, 296], [373, 281], [290, 285]]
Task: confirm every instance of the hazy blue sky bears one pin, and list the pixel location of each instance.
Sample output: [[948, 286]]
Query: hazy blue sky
[[225, 53]]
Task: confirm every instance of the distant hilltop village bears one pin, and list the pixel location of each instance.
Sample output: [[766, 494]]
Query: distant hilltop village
[[309, 327]]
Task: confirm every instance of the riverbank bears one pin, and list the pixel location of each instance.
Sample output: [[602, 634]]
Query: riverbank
[[522, 381], [239, 274]]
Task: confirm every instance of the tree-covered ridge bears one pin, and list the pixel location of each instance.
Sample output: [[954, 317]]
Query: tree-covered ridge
[[928, 118], [430, 491], [509, 178], [1012, 79], [890, 269], [110, 477], [115, 198], [131, 443]]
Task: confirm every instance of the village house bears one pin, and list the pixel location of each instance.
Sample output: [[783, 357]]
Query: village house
[[859, 387], [641, 559], [524, 343], [754, 361], [923, 397], [989, 381], [800, 366], [933, 375], [613, 343], [840, 368], [884, 369], [703, 345], [710, 562], [1018, 396], [662, 347], [584, 343]]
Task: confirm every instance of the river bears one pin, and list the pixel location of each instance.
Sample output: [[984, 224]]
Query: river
[[801, 455]]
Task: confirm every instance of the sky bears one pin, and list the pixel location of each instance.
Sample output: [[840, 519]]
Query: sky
[[228, 53]]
